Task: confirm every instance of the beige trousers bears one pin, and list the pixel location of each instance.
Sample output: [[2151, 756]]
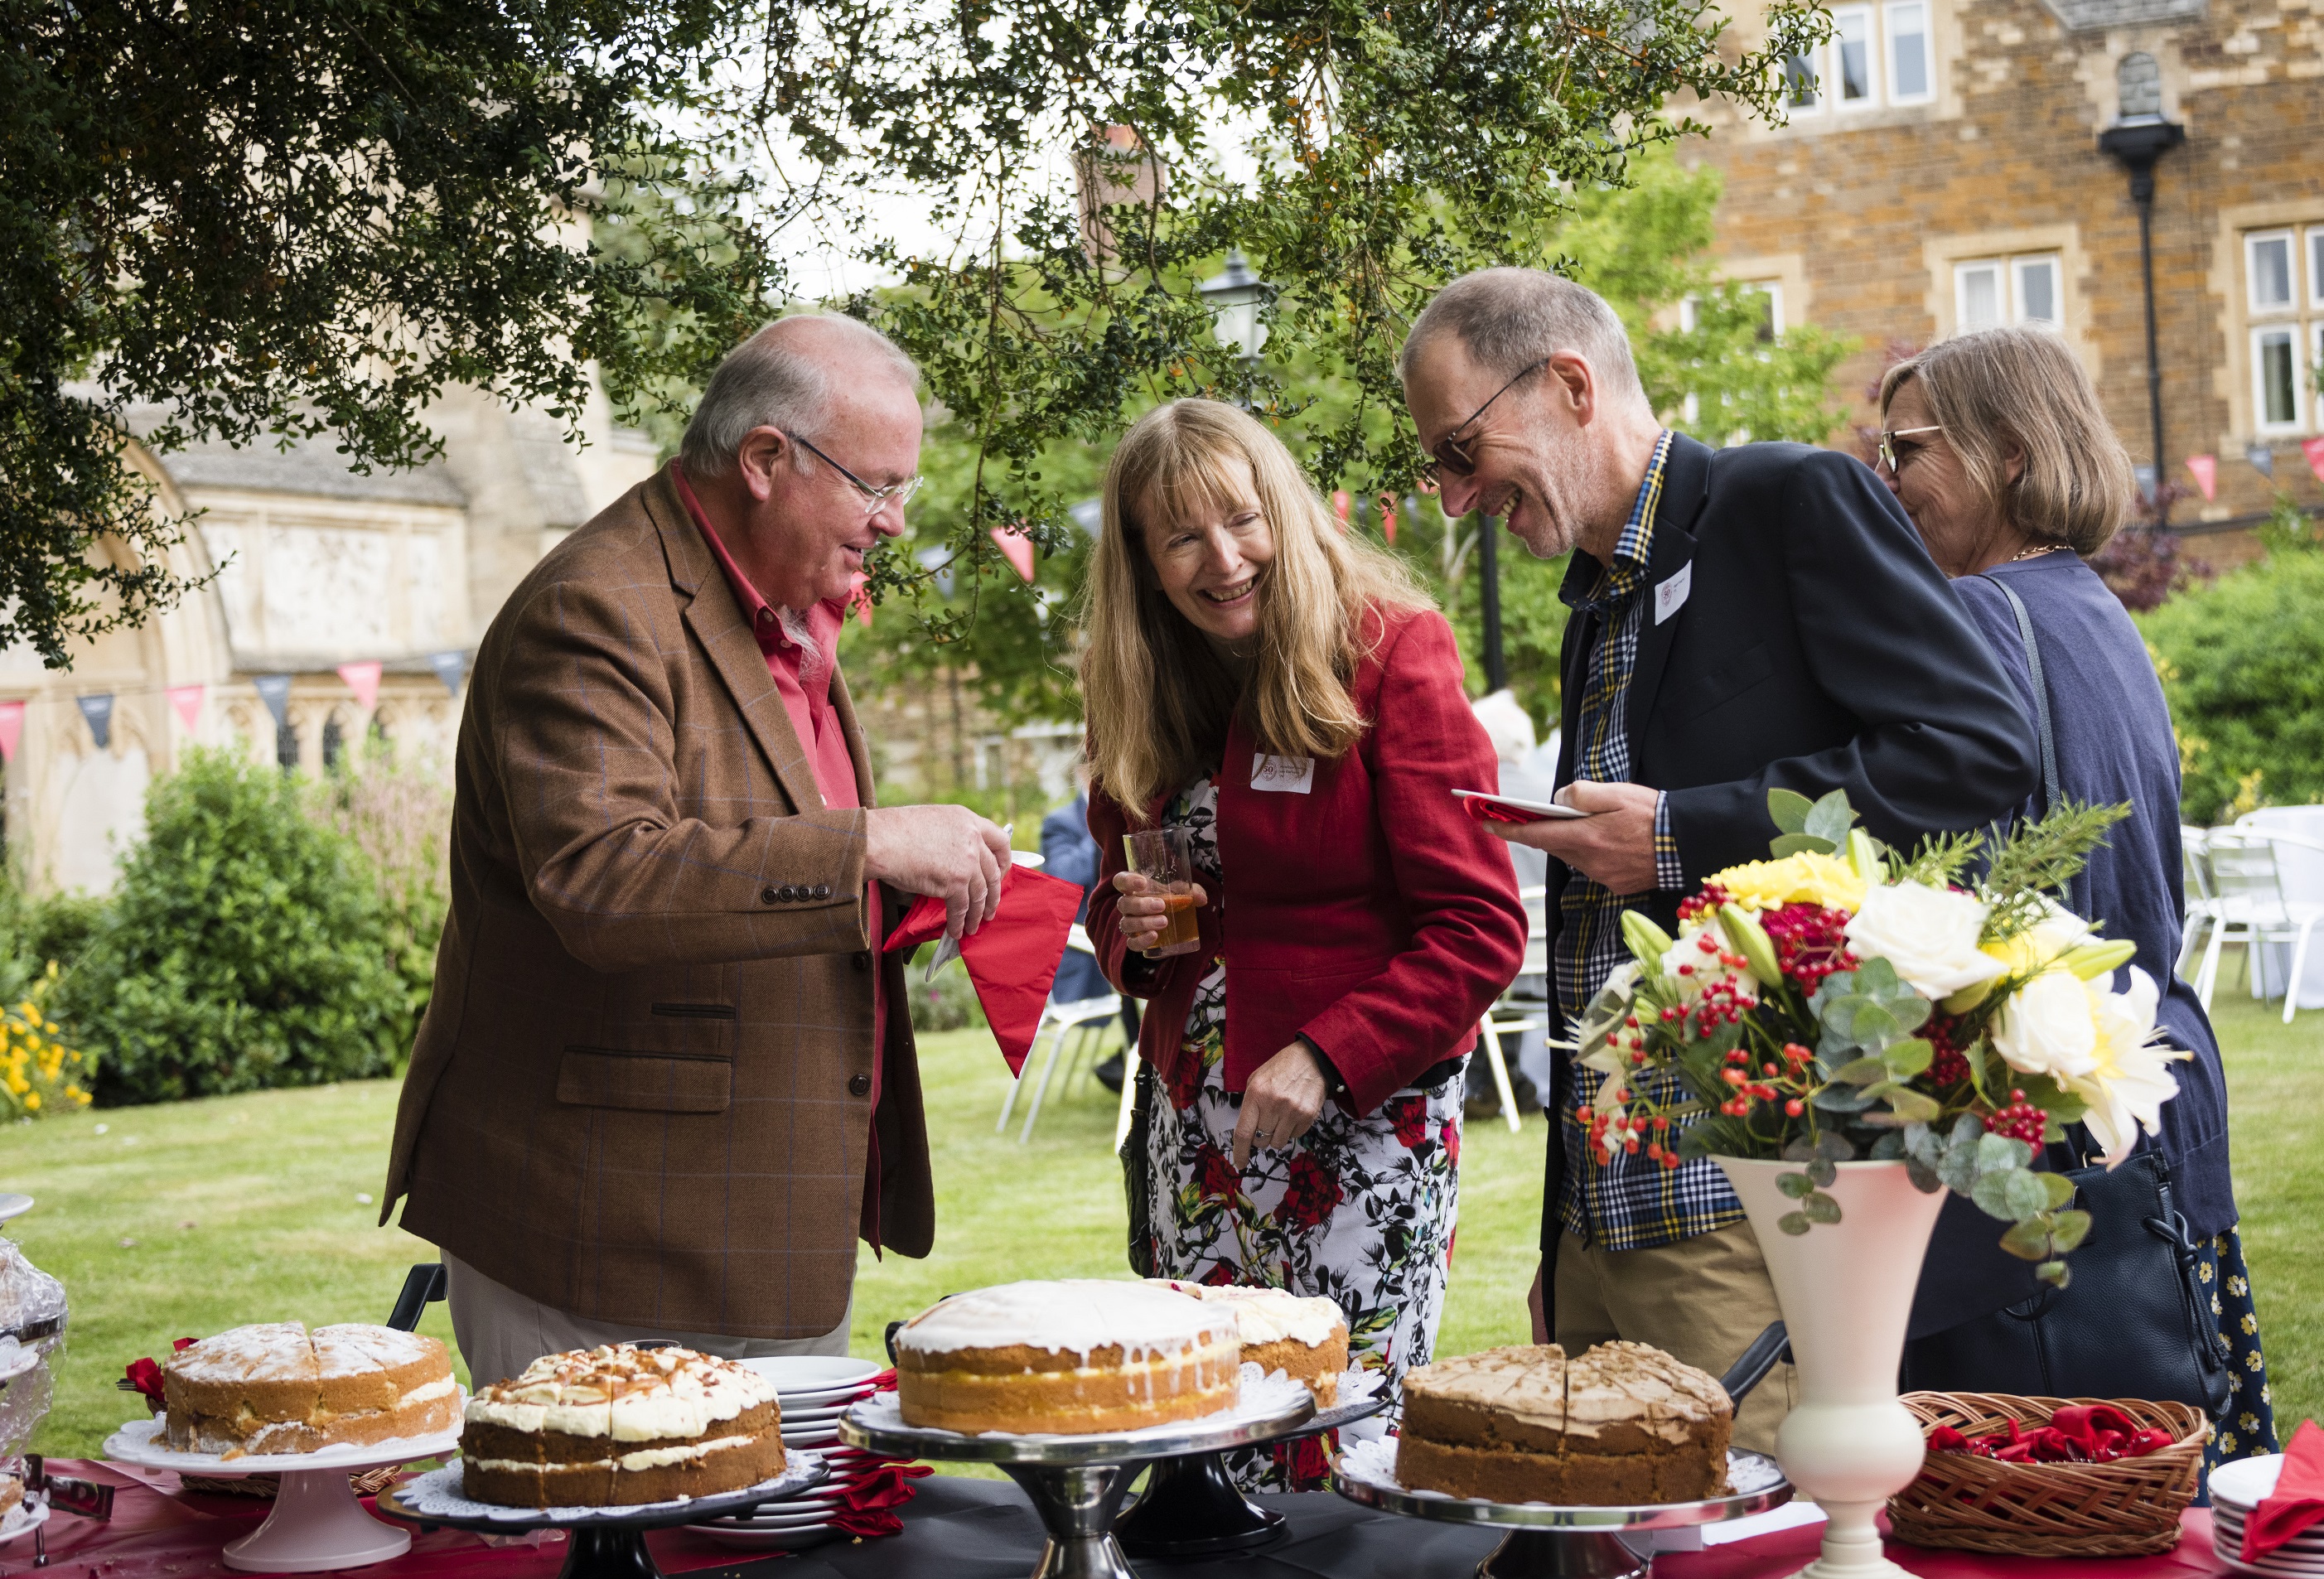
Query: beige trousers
[[1702, 1300], [501, 1332]]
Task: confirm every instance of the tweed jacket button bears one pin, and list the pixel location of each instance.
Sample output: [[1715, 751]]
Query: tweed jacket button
[[862, 960], [823, 891], [859, 1086], [770, 896]]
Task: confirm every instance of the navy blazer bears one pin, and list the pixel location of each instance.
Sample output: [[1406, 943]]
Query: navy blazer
[[1817, 648], [1067, 851]]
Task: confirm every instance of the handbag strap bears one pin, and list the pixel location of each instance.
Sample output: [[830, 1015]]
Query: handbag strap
[[2050, 796]]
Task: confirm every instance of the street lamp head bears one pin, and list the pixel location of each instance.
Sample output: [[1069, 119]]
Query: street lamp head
[[1235, 298]]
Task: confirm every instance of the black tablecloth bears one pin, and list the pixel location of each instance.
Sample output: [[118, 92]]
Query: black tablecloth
[[961, 1528]]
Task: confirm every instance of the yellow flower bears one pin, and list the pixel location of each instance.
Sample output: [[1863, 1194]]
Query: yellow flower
[[1802, 878], [32, 1101]]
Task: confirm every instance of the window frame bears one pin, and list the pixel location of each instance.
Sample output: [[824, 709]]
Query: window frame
[[1962, 268], [2314, 236], [1872, 57], [2018, 267], [2292, 336], [2252, 241], [1820, 78], [1896, 96]]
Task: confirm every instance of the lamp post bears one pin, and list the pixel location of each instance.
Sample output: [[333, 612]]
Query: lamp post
[[1235, 298], [2138, 141]]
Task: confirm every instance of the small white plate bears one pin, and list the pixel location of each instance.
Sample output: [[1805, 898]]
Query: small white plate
[[15, 1206], [826, 1399], [33, 1516], [821, 1412], [2244, 1484], [801, 1373], [804, 1516]]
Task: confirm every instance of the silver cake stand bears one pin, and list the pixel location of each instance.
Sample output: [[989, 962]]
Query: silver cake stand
[[1192, 1508], [601, 1543], [1549, 1542], [1075, 1483]]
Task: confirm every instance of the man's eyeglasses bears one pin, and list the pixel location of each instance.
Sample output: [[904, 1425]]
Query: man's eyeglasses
[[873, 498], [1451, 457], [1888, 444]]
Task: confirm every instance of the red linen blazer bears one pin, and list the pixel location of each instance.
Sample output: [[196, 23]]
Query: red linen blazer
[[1369, 913]]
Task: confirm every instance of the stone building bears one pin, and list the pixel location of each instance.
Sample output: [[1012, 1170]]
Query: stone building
[[1942, 170], [315, 566]]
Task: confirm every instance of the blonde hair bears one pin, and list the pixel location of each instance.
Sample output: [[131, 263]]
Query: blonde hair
[[2022, 388], [1158, 698]]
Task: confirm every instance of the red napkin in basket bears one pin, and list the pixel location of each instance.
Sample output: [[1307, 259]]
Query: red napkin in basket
[[1012, 959], [2297, 1500]]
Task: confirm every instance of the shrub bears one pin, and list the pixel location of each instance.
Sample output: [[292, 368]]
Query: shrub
[[246, 945], [38, 1075], [400, 817], [2242, 661], [949, 1002]]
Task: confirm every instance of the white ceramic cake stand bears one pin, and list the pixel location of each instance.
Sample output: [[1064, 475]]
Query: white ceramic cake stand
[[1075, 1483], [1550, 1542], [316, 1524]]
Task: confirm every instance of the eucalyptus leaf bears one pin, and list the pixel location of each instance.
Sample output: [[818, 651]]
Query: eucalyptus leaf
[[1794, 1185], [1830, 819], [1800, 844], [1924, 1177], [1996, 1152], [1822, 1173], [2012, 1194], [2028, 1241], [2069, 1229], [2060, 1188], [1966, 1130], [2057, 1274], [1842, 1099], [1914, 1107], [1789, 808], [1865, 1071], [1821, 1208], [1890, 1147], [1793, 1222], [1835, 1146], [1907, 1058], [1798, 1149]]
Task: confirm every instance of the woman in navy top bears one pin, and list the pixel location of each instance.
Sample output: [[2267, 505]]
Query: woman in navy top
[[1994, 445]]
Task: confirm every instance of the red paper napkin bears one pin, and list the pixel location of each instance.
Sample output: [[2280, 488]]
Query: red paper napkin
[[866, 1505], [1011, 959], [2297, 1500]]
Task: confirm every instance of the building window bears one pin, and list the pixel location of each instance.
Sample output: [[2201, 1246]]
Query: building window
[[2267, 266], [2138, 86], [1852, 49], [2275, 378], [2316, 269], [1908, 52], [1800, 84], [1993, 291], [2284, 284]]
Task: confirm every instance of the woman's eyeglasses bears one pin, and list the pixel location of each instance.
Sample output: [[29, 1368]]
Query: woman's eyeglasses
[[1451, 457], [873, 498], [1888, 438]]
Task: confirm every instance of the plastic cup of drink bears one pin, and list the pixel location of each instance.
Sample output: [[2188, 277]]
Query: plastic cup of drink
[[1165, 855]]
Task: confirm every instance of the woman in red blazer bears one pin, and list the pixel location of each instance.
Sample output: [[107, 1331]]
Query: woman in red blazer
[[1285, 692]]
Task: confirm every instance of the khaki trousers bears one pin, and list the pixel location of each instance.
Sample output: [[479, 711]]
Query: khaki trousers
[[501, 1332], [1702, 1300]]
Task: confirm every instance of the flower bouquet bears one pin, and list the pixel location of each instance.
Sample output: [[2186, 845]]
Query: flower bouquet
[[1844, 1001]]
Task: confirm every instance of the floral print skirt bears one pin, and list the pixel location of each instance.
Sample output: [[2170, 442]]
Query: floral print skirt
[[1358, 1210], [2247, 1428]]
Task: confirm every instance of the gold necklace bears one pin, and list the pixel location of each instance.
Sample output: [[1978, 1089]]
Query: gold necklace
[[2033, 551]]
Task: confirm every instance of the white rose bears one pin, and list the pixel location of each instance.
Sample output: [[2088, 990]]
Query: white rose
[[2049, 1027], [2131, 1077], [1927, 934]]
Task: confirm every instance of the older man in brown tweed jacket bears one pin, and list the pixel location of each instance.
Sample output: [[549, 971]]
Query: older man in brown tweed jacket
[[666, 1078]]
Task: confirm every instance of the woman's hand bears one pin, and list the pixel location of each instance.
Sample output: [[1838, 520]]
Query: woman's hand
[[1281, 1103], [1140, 911]]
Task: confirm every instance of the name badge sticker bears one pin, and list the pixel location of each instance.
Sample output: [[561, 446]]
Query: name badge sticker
[[1672, 594], [1283, 775]]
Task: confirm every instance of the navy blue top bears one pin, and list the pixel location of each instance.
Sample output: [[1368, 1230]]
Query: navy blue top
[[2115, 744], [1067, 851]]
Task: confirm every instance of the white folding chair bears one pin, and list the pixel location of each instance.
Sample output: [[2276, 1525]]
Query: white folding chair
[[1058, 1021], [1490, 1033], [2253, 911], [2201, 896]]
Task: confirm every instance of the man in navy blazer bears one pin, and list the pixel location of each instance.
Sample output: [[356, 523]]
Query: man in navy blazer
[[1742, 619]]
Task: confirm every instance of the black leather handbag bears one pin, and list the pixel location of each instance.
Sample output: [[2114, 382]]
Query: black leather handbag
[[1138, 1173], [2135, 1319]]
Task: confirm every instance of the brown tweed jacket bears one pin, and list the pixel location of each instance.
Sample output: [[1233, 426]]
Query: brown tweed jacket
[[641, 1091]]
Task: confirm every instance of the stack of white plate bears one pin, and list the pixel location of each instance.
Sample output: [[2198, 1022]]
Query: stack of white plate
[[812, 1391], [2236, 1489]]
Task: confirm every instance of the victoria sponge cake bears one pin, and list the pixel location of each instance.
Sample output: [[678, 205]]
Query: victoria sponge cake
[[615, 1427], [1305, 1337], [1069, 1358], [1619, 1425], [279, 1388]]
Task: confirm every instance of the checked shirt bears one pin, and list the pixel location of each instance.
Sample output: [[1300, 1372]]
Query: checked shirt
[[1634, 1203]]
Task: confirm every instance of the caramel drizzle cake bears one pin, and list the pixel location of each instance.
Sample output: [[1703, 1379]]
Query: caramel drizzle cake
[[615, 1427], [1305, 1337], [1069, 1358], [1621, 1425], [277, 1388]]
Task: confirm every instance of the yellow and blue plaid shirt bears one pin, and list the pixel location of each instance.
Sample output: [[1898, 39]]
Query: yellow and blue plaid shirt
[[1633, 1203]]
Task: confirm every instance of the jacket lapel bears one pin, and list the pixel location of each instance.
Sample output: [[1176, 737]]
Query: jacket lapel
[[1686, 485], [717, 623]]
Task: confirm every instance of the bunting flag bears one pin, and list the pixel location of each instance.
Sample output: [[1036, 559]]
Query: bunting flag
[[2313, 448], [2262, 457], [449, 666], [274, 690], [1017, 548], [98, 711], [1340, 506], [2205, 468], [362, 680], [188, 701], [11, 729], [1388, 517]]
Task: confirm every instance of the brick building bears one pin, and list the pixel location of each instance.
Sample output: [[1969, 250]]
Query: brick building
[[1941, 170]]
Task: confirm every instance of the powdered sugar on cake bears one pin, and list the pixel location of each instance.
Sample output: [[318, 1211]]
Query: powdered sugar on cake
[[1076, 1315]]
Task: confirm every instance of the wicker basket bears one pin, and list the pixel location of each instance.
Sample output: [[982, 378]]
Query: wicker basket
[[2126, 1509]]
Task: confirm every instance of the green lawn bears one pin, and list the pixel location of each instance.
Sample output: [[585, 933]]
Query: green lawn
[[183, 1219]]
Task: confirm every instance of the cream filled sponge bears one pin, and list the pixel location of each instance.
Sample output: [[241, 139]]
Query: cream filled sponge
[[1069, 1358], [1306, 1337], [278, 1388], [619, 1425]]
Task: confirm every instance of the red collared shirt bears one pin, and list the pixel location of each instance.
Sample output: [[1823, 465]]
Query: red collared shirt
[[802, 672]]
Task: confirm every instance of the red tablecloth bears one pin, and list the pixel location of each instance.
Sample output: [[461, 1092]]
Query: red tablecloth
[[1786, 1552]]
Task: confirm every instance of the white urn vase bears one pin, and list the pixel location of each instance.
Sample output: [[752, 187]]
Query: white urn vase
[[1846, 1289]]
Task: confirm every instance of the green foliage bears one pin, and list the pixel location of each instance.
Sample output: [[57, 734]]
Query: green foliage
[[949, 1002], [2040, 858], [246, 945], [2242, 662], [399, 817]]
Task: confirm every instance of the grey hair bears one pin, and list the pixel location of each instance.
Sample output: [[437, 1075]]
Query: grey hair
[[1508, 319], [773, 379]]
